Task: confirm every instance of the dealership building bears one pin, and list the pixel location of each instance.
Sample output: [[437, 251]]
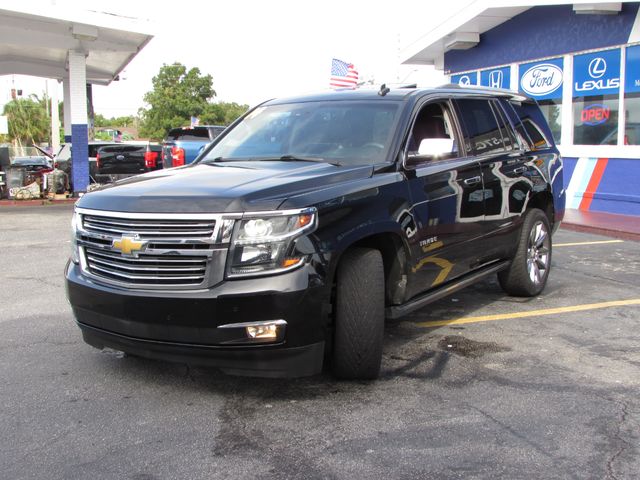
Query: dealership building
[[580, 61]]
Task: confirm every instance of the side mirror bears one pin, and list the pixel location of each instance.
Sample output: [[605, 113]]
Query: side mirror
[[433, 148]]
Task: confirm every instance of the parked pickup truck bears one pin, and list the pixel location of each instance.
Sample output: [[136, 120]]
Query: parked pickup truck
[[289, 241], [63, 161], [127, 159], [184, 144]]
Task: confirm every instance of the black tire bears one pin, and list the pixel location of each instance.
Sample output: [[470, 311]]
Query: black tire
[[527, 275], [359, 319]]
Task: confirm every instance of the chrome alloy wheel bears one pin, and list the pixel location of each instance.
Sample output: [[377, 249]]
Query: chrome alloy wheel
[[538, 253]]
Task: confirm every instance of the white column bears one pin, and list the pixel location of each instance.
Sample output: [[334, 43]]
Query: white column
[[55, 118], [79, 127], [514, 83], [66, 106], [78, 87], [622, 118], [566, 133]]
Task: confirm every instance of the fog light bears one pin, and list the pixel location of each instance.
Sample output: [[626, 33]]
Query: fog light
[[266, 331], [263, 331]]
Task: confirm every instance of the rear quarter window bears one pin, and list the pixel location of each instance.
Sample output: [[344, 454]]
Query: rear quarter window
[[534, 124]]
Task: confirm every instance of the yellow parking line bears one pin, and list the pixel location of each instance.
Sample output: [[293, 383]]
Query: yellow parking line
[[599, 242], [532, 313]]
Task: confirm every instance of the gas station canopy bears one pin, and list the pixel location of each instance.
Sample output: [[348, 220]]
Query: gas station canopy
[[75, 46], [462, 31], [37, 41]]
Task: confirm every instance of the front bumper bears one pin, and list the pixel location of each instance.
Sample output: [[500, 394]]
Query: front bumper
[[182, 326]]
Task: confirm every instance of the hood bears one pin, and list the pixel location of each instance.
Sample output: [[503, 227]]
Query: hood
[[220, 187]]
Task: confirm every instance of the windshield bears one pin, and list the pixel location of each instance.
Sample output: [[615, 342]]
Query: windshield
[[347, 133]]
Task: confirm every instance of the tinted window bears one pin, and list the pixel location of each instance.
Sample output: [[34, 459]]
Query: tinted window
[[523, 137], [120, 148], [534, 124], [215, 131], [482, 134], [189, 134], [93, 149], [433, 122], [31, 161], [505, 127]]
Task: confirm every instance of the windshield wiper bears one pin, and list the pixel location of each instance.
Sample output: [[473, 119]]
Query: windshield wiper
[[216, 160], [296, 158], [283, 158]]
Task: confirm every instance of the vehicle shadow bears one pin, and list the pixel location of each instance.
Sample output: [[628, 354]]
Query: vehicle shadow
[[411, 350]]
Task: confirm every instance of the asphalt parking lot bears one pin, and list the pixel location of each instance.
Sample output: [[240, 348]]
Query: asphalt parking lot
[[478, 385]]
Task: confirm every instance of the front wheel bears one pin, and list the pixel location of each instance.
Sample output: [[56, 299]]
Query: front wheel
[[527, 275], [359, 321]]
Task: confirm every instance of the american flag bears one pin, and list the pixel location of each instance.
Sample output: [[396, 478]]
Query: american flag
[[343, 75]]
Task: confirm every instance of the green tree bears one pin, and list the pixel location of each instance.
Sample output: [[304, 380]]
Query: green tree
[[222, 113], [28, 120], [177, 95], [100, 121]]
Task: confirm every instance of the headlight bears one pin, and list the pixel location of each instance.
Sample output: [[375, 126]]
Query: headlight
[[75, 223], [264, 243]]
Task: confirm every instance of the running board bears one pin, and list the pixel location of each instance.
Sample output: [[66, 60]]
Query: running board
[[398, 311]]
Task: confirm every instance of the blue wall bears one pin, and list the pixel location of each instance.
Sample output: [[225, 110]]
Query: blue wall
[[80, 157], [544, 32], [617, 191]]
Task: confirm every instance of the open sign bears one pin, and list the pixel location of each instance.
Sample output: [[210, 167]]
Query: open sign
[[595, 114]]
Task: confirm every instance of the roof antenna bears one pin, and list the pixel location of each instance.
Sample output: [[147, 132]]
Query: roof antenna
[[383, 90]]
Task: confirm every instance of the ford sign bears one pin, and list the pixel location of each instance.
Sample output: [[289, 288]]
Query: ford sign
[[541, 79]]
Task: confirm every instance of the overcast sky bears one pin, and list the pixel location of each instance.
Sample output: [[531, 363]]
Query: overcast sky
[[256, 50]]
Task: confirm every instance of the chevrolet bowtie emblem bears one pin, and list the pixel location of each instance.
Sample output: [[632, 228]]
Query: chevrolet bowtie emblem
[[128, 245]]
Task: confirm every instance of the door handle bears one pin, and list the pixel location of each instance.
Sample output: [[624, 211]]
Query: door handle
[[519, 170], [472, 180]]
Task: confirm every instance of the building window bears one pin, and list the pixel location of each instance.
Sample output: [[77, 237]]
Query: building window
[[595, 120], [596, 91], [632, 115], [543, 81], [632, 96], [552, 111]]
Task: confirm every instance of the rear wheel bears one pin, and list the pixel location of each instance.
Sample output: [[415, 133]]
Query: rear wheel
[[359, 321], [527, 275]]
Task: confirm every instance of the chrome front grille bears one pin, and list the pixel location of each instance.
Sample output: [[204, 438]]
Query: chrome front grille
[[147, 269], [150, 228], [163, 250]]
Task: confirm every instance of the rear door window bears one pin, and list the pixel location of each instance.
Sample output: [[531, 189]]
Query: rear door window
[[508, 135], [483, 135]]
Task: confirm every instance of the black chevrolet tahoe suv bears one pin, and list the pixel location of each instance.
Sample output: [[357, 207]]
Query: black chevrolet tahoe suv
[[309, 221]]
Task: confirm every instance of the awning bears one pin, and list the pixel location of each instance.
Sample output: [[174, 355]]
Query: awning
[[37, 41]]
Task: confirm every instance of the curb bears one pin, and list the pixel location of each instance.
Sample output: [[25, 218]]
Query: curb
[[36, 203], [607, 232]]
